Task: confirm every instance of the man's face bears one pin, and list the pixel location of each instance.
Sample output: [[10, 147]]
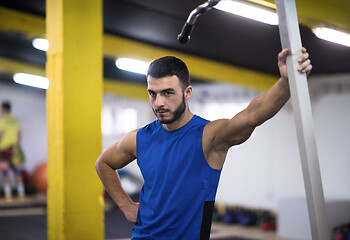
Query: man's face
[[167, 98]]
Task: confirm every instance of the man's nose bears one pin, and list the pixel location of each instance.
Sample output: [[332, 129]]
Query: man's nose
[[159, 101]]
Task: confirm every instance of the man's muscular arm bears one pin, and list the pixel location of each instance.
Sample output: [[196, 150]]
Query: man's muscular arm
[[220, 135], [115, 157]]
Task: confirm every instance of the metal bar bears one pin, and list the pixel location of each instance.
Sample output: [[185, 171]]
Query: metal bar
[[290, 38], [184, 36], [201, 9]]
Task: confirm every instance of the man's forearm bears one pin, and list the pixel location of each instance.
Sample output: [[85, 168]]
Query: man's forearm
[[266, 105], [111, 181]]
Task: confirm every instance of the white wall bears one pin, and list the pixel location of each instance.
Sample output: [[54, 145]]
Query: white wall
[[332, 121], [257, 173]]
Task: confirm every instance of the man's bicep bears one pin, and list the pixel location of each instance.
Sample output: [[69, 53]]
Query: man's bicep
[[234, 131], [121, 153]]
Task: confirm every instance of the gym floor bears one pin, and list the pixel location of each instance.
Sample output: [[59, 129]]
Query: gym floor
[[26, 220]]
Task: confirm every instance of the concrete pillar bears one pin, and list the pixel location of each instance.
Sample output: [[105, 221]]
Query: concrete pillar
[[74, 101]]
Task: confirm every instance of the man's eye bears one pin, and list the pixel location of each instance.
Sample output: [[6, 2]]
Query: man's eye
[[168, 93]]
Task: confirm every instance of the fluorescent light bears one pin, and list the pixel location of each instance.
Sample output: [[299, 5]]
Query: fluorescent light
[[31, 80], [41, 44], [132, 65], [332, 35], [261, 14]]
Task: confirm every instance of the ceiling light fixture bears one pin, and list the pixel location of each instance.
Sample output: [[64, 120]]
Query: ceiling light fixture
[[254, 12], [332, 35], [132, 65], [31, 80], [41, 44]]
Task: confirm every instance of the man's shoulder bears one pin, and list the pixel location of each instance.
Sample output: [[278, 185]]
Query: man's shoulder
[[9, 119], [213, 127], [200, 119], [152, 125], [149, 129]]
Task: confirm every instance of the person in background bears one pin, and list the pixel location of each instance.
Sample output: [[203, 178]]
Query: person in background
[[10, 153]]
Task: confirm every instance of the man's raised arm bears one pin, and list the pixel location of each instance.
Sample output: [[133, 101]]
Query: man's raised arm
[[220, 135]]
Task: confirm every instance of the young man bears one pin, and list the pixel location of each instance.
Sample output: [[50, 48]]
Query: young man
[[10, 155], [181, 155]]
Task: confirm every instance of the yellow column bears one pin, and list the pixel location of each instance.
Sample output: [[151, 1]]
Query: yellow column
[[74, 101]]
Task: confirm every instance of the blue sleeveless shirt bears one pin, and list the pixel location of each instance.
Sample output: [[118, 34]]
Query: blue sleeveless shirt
[[177, 198]]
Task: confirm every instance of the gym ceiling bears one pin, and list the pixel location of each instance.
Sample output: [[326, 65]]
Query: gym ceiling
[[245, 50]]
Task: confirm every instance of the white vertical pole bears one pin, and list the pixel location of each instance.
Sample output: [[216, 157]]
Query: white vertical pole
[[290, 38]]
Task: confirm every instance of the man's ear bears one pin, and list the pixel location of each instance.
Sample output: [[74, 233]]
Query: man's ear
[[188, 92]]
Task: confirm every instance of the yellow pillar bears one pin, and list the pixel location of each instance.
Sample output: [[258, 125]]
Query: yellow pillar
[[74, 101]]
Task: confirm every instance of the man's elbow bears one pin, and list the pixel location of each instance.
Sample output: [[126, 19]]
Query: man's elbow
[[98, 163]]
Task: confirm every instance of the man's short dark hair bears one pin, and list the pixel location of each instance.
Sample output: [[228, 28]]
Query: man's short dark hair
[[6, 105], [170, 66]]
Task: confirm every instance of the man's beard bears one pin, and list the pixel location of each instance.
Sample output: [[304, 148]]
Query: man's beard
[[176, 114]]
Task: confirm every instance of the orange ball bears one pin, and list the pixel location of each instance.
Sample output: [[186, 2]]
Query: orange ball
[[40, 178]]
